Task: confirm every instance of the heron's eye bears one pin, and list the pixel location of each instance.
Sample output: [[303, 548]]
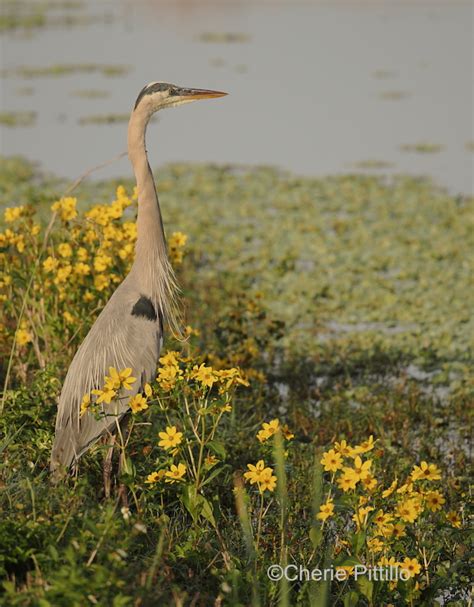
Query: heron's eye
[[172, 92]]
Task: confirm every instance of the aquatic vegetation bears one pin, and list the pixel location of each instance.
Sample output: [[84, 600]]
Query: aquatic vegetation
[[13, 119], [469, 146], [317, 412], [30, 16], [372, 164], [423, 147], [393, 95], [90, 93], [384, 74], [63, 69], [104, 119], [224, 37]]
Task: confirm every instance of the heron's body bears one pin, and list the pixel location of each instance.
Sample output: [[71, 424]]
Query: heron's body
[[128, 333]]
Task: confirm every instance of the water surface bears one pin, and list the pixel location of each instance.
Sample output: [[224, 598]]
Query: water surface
[[315, 87]]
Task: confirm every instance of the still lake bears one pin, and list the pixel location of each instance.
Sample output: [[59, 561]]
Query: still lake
[[314, 87]]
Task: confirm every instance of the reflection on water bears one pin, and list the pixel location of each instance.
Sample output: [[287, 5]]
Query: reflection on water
[[315, 87]]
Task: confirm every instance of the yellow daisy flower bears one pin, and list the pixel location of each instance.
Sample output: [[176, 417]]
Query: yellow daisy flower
[[175, 473], [326, 510], [171, 438], [138, 403], [332, 461]]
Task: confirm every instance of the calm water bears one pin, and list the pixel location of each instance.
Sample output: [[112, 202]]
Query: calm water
[[316, 88]]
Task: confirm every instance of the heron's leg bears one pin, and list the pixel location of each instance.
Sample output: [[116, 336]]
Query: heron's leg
[[108, 466], [124, 430]]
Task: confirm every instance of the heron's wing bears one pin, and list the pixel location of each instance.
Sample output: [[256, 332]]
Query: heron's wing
[[127, 333]]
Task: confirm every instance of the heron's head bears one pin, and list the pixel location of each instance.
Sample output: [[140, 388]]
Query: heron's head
[[158, 95]]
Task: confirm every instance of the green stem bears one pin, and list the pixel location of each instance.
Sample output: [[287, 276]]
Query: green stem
[[260, 517]]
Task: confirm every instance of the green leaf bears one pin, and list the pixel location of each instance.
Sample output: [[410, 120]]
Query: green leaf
[[366, 587], [218, 448], [347, 561], [316, 535], [206, 511], [188, 499], [214, 473], [358, 541], [351, 599]]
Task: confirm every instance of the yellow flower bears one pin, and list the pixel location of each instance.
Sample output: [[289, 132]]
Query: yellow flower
[[367, 445], [102, 262], [23, 337], [176, 256], [120, 379], [331, 461], [178, 239], [148, 390], [347, 570], [68, 317], [391, 562], [369, 482], [65, 250], [20, 243], [347, 482], [138, 403], [411, 566], [267, 481], [62, 274], [268, 429], [168, 376], [425, 471], [406, 487], [382, 518], [81, 269], [408, 510], [170, 359], [125, 252], [229, 377], [343, 448], [398, 530], [50, 264], [434, 500], [360, 471], [326, 510], [454, 518], [155, 477], [66, 208], [101, 282], [375, 545], [130, 230], [82, 254], [171, 438], [85, 404], [204, 374], [175, 473], [390, 490], [360, 517], [188, 331], [104, 396], [254, 471], [13, 213]]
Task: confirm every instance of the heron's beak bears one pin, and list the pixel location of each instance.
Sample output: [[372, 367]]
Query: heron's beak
[[199, 94]]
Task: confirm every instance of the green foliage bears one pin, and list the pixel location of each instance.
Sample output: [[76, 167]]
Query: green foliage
[[343, 301]]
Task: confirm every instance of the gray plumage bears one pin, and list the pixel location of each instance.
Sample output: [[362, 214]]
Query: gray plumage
[[128, 333]]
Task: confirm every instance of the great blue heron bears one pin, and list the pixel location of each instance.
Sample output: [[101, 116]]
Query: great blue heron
[[128, 333]]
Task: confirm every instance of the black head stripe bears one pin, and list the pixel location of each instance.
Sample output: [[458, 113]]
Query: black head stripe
[[149, 89]]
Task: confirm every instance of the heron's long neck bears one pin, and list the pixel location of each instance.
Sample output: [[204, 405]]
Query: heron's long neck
[[151, 265]]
